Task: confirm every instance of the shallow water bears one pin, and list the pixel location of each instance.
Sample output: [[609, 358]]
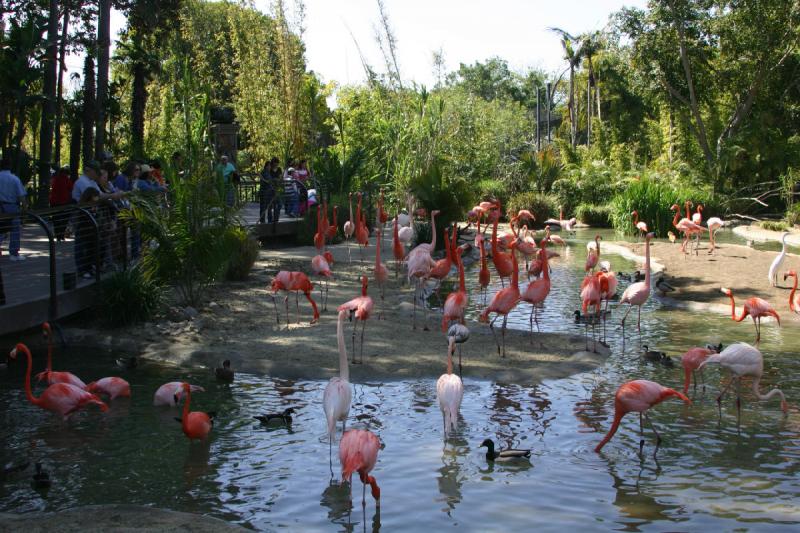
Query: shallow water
[[707, 474]]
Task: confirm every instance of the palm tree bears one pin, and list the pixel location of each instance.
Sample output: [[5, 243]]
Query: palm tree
[[572, 53], [591, 45]]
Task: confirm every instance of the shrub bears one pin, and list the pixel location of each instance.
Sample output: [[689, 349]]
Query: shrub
[[793, 214], [774, 225], [129, 296], [594, 215], [543, 206], [244, 255], [422, 233], [492, 190]]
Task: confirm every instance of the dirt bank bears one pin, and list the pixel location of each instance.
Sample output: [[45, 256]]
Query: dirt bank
[[758, 234], [238, 323]]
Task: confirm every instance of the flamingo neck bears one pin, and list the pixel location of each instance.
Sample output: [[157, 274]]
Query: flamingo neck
[[433, 231], [646, 263], [635, 218], [28, 393], [378, 247], [350, 201], [344, 370], [461, 285], [688, 211], [677, 217], [791, 294], [687, 379], [185, 418], [395, 232], [733, 310], [451, 344], [494, 236], [597, 244], [769, 395], [545, 268], [515, 272], [448, 252], [618, 414]]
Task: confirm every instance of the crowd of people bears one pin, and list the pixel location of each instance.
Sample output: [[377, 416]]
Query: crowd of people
[[290, 189]]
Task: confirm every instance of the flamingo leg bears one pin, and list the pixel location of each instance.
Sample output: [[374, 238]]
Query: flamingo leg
[[641, 432], [530, 323], [721, 394], [586, 333], [505, 319], [416, 285], [738, 402], [383, 305], [658, 437], [639, 320], [361, 351], [349, 259], [424, 306], [277, 316], [491, 327], [297, 302], [353, 337], [286, 302], [327, 289], [624, 317]]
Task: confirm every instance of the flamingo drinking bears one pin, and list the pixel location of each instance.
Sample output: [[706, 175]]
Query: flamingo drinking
[[358, 452]]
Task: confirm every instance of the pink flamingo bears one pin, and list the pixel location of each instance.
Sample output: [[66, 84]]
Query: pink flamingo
[[483, 274], [337, 396], [755, 307], [502, 260], [48, 375], [536, 292], [112, 387], [691, 361], [593, 255], [172, 393], [331, 230], [195, 424], [743, 360], [321, 268], [293, 282], [590, 297], [794, 299], [358, 452], [449, 391], [319, 236], [714, 224], [362, 233], [420, 263], [503, 302], [639, 225], [456, 302], [380, 272], [638, 293], [61, 398], [441, 268], [349, 226], [685, 225], [361, 307], [639, 396]]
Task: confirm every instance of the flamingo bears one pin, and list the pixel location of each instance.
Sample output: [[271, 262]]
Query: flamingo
[[639, 395], [483, 275], [419, 265], [638, 293], [361, 307], [502, 260], [794, 299], [362, 233], [321, 268], [526, 245], [349, 226], [755, 307], [639, 225], [358, 452], [195, 424], [743, 360], [61, 398], [684, 225], [691, 361], [449, 392], [48, 375], [441, 268], [398, 249], [590, 296], [594, 254], [714, 224], [331, 230], [380, 273], [112, 387], [456, 302], [697, 218], [503, 302], [536, 292], [171, 393], [460, 334], [326, 225], [608, 287], [337, 396], [319, 236], [777, 263], [561, 222], [293, 282]]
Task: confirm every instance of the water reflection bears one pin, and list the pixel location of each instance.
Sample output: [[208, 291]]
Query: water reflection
[[450, 478]]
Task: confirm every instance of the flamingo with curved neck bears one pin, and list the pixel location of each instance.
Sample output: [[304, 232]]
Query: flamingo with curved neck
[[794, 300], [756, 308], [195, 424], [56, 377]]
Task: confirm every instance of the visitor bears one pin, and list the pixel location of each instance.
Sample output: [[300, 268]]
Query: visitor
[[226, 170], [147, 182], [86, 234], [107, 217], [125, 181], [290, 192], [270, 190], [60, 195], [303, 175], [12, 195], [155, 171], [87, 180]]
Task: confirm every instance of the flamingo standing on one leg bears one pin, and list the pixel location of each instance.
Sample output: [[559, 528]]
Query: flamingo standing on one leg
[[743, 360], [195, 424], [349, 226], [171, 393], [456, 303], [361, 307], [537, 290], [691, 361], [449, 392], [293, 282], [638, 396], [639, 225], [503, 302], [380, 272], [777, 263], [56, 377], [61, 398], [794, 299], [638, 293], [337, 396], [358, 452], [321, 268], [755, 307], [113, 387]]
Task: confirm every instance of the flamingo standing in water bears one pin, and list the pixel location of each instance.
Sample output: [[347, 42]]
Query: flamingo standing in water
[[293, 282], [755, 307], [691, 361], [456, 302], [48, 375], [195, 424], [743, 360], [794, 299], [349, 226], [112, 387], [337, 396], [777, 263], [502, 260], [380, 272], [321, 268], [449, 392], [503, 302], [61, 398], [639, 225], [483, 275], [398, 249], [419, 264], [361, 307], [172, 393], [362, 233], [319, 236], [593, 255], [635, 396], [441, 268], [358, 452], [590, 297], [537, 290], [638, 293]]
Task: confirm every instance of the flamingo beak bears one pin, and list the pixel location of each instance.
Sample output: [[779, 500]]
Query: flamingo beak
[[13, 354]]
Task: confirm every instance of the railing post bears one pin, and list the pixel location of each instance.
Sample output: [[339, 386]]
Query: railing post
[[53, 311], [97, 245]]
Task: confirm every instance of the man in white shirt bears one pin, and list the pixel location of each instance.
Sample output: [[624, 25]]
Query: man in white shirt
[[12, 194], [91, 173]]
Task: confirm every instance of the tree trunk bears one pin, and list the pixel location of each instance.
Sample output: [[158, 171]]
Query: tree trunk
[[74, 146], [103, 44], [573, 126], [138, 103], [48, 105], [589, 110], [88, 108], [60, 86]]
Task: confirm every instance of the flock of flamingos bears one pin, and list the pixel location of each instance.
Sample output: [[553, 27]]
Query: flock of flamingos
[[358, 449]]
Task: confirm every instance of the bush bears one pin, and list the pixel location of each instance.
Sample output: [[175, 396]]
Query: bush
[[594, 215], [422, 233], [774, 225], [129, 297], [543, 206], [244, 255], [793, 215], [492, 190]]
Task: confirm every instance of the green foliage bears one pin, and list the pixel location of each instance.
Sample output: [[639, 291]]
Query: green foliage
[[594, 215], [592, 182], [129, 296], [774, 225], [492, 189], [449, 196], [422, 233], [542, 206], [244, 255]]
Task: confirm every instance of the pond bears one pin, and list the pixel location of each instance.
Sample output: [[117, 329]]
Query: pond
[[707, 473]]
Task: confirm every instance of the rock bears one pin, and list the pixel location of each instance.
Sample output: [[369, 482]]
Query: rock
[[199, 323], [213, 305], [190, 312], [174, 314]]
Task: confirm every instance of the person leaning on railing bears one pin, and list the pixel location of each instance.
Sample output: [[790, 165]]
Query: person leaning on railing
[[12, 196], [60, 195]]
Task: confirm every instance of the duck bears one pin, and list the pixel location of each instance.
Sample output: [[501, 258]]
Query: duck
[[671, 237], [225, 372], [11, 468], [656, 356], [127, 363], [283, 418], [663, 287], [503, 455], [715, 347], [624, 276], [41, 479]]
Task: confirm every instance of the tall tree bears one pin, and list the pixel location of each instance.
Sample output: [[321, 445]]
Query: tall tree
[[62, 52], [88, 110], [48, 104], [572, 54], [103, 45]]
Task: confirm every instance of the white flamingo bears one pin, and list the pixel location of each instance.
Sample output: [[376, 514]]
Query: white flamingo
[[777, 263], [714, 224], [337, 396], [349, 227], [449, 391]]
